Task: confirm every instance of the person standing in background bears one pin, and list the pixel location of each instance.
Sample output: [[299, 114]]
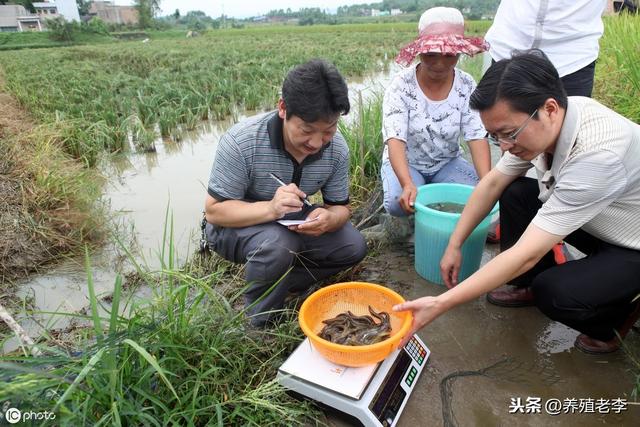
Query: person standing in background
[[567, 31]]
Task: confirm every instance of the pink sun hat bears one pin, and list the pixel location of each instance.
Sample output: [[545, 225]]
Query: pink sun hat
[[441, 30]]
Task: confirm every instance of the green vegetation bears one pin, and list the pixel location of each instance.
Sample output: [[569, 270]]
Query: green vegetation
[[117, 97], [184, 356], [617, 81], [33, 40], [364, 137]]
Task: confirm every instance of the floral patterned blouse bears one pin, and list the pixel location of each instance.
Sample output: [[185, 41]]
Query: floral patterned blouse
[[432, 130]]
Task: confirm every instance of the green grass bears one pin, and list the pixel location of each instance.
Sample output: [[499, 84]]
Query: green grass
[[56, 207], [113, 93], [32, 40], [184, 356], [617, 80]]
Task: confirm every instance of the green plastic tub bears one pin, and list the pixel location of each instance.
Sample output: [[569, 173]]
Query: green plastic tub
[[433, 229]]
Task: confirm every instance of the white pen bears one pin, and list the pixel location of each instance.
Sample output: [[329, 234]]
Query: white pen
[[279, 181]]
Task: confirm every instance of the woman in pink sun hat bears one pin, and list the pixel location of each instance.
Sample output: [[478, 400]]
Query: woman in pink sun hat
[[426, 113]]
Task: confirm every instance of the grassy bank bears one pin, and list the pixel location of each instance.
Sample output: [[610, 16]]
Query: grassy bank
[[48, 199], [34, 40], [183, 356]]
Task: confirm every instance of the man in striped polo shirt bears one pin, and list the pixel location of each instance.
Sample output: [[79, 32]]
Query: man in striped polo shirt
[[587, 159], [264, 169]]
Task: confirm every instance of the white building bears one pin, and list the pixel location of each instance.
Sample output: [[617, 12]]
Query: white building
[[16, 18], [396, 12], [68, 9]]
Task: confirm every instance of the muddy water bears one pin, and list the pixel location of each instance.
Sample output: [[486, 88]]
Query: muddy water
[[483, 356], [141, 187]]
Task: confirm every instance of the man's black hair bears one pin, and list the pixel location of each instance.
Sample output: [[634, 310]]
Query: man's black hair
[[525, 82], [315, 91]]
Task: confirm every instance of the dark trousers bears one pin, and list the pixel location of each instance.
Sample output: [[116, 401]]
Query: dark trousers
[[580, 83], [270, 250], [592, 295]]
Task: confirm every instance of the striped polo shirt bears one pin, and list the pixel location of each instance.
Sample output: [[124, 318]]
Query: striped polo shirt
[[253, 148], [594, 179]]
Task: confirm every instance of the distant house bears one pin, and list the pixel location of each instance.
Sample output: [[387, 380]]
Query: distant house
[[45, 9], [68, 9], [112, 14], [16, 18], [396, 12], [375, 12]]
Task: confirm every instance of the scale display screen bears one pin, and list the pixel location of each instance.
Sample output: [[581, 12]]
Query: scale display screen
[[389, 398]]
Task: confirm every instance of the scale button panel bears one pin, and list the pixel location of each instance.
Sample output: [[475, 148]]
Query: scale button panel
[[416, 351], [411, 376]]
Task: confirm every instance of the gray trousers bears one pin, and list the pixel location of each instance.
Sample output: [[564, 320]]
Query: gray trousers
[[270, 249]]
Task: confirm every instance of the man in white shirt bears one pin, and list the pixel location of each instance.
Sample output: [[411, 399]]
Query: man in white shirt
[[567, 31], [587, 193]]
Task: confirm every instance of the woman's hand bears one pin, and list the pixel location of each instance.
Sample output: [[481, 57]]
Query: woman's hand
[[424, 310], [450, 266], [408, 198]]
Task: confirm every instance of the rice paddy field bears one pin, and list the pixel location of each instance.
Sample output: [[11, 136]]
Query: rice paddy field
[[184, 355], [104, 97]]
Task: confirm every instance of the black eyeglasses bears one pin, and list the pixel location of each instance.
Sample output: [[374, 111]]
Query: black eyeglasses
[[510, 139]]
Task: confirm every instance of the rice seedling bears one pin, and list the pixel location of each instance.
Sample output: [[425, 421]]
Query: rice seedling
[[364, 137], [167, 121], [109, 83], [142, 137]]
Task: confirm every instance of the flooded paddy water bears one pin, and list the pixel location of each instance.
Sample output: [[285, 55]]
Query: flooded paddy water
[[483, 357]]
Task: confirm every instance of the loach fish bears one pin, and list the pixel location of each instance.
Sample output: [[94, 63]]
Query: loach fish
[[349, 329]]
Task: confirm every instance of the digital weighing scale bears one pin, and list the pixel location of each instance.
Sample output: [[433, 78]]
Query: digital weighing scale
[[374, 394]]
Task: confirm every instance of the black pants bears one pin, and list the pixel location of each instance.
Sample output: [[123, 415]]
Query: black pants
[[580, 83], [269, 250], [592, 295]]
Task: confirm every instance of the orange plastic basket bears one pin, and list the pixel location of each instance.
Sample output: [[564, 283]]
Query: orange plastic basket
[[356, 297]]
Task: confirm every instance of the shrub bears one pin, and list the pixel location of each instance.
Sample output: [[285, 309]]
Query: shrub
[[59, 29], [96, 25]]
